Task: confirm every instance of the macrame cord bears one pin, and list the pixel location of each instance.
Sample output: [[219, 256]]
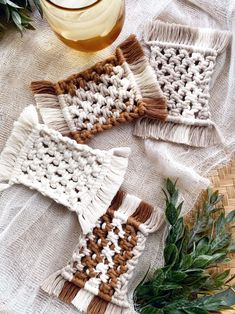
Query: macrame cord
[[121, 88], [96, 278], [183, 59], [81, 178]]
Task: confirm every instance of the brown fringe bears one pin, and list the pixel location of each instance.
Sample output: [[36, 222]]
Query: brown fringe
[[68, 292], [97, 306], [142, 213], [117, 200], [156, 108], [43, 87], [130, 50]]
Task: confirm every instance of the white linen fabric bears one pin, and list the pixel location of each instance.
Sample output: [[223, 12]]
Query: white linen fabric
[[37, 236]]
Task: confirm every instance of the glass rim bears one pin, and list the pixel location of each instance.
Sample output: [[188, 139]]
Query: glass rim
[[73, 9]]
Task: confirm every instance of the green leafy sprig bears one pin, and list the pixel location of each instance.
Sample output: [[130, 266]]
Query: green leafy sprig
[[187, 283], [17, 12]]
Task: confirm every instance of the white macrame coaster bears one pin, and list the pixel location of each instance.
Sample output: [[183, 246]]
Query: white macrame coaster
[[183, 59], [83, 179], [97, 276]]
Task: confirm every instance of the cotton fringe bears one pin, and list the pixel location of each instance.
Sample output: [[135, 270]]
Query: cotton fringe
[[154, 101], [21, 130], [132, 211], [109, 187], [198, 136], [48, 104], [203, 38]]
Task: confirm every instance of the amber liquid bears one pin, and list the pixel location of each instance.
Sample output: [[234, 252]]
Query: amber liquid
[[96, 43]]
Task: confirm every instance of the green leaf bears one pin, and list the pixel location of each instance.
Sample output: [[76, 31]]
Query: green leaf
[[200, 226], [143, 290], [170, 287], [214, 303], [13, 5], [194, 271], [171, 254], [16, 17], [230, 217], [170, 186], [202, 261], [221, 241], [179, 208], [202, 246], [196, 310], [223, 275], [171, 214], [214, 196], [220, 223], [159, 276], [186, 262], [25, 18], [176, 231], [176, 276]]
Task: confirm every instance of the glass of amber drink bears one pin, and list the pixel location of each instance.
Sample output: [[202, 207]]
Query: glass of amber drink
[[85, 25]]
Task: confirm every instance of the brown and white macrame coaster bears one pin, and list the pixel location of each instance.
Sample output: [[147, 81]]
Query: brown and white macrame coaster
[[81, 178], [97, 276], [121, 88], [183, 59]]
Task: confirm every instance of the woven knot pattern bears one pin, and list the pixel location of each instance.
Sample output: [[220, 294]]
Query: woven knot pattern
[[104, 254], [59, 167], [100, 99], [184, 76]]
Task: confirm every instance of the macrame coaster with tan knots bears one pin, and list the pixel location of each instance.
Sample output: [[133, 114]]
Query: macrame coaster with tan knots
[[121, 88], [183, 59], [96, 278], [81, 178]]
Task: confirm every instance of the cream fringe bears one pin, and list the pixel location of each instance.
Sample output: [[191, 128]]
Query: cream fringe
[[193, 135], [204, 38], [82, 300], [109, 187], [21, 130], [53, 284], [51, 112]]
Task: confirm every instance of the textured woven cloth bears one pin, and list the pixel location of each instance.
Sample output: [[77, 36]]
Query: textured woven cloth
[[183, 59], [121, 88], [81, 178], [37, 235], [96, 278]]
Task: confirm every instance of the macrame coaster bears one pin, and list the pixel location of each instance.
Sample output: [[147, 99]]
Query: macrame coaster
[[183, 59], [118, 89], [96, 278], [77, 176]]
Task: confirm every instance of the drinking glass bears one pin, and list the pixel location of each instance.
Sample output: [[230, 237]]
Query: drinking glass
[[85, 25]]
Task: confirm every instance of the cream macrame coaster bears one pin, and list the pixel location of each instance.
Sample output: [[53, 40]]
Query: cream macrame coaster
[[183, 59], [121, 88], [97, 276], [77, 176]]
